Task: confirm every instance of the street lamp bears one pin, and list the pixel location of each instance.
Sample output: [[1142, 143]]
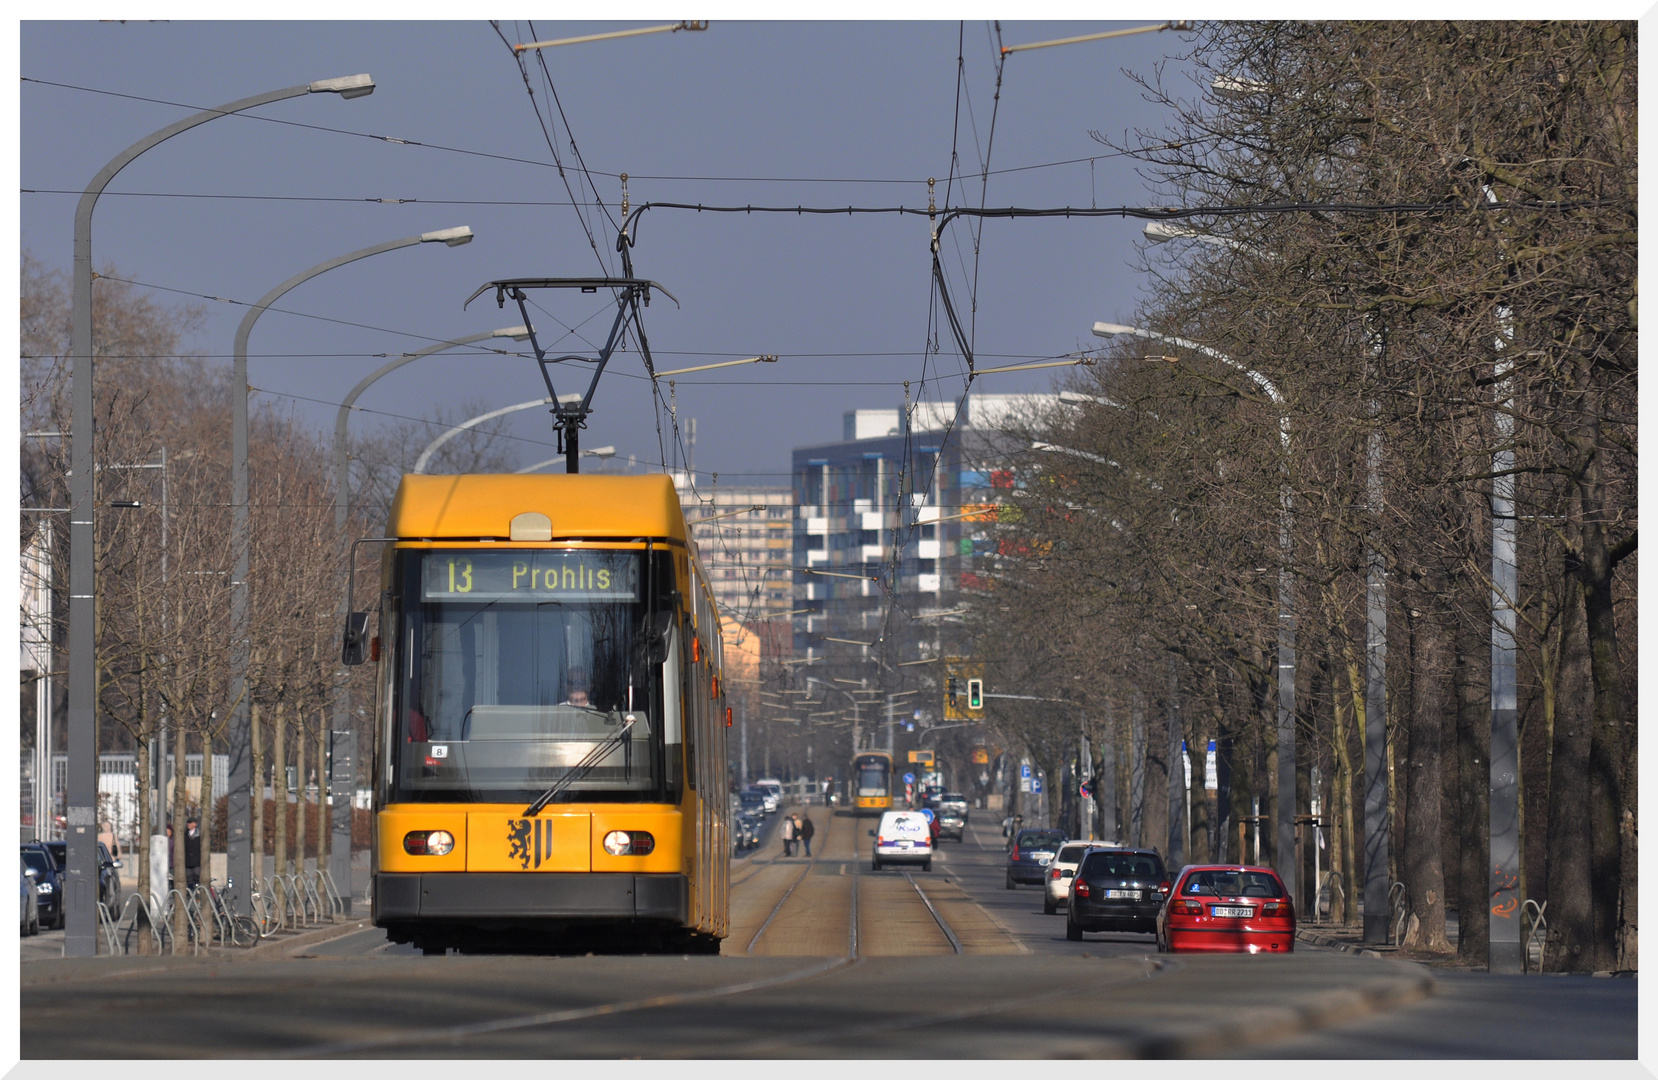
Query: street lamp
[[432, 447], [237, 841], [563, 459], [1287, 865], [80, 857], [341, 787]]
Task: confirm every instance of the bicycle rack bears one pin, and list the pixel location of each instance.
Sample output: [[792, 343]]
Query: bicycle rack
[[312, 898], [206, 902], [1535, 934], [107, 926], [318, 889], [1398, 911], [1337, 886], [194, 930], [158, 930], [336, 902]]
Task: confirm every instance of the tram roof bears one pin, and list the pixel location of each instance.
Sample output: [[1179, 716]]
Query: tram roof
[[473, 506]]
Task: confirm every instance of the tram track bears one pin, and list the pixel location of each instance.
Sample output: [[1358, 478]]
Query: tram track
[[805, 871], [949, 935]]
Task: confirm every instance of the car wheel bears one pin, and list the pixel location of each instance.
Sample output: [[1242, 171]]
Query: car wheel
[[1010, 883], [875, 864], [1073, 932], [927, 866], [1047, 906]]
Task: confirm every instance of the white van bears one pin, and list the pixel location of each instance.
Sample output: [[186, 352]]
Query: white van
[[905, 836], [774, 793]]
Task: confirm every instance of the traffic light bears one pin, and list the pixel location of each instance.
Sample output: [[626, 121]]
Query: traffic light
[[950, 689], [975, 694]]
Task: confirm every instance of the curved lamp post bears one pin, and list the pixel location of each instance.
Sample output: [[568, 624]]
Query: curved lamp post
[[1285, 808], [436, 444], [237, 841], [341, 787], [80, 894]]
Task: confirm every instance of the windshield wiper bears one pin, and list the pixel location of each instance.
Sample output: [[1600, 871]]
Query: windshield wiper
[[584, 766]]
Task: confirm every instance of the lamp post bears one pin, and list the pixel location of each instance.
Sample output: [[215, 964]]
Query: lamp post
[[81, 867], [1287, 864], [238, 843], [341, 781]]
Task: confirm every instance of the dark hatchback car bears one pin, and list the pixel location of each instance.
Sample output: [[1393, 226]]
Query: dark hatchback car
[[109, 871], [1028, 858], [1121, 890], [48, 883]]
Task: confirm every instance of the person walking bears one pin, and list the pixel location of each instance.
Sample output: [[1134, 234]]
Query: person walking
[[806, 830], [787, 831], [192, 853]]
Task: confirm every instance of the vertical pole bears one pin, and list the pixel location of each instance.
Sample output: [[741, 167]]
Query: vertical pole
[[1288, 866], [342, 783], [1176, 854], [1505, 951], [1376, 826], [240, 872], [80, 920], [742, 712], [1105, 791], [1137, 770]]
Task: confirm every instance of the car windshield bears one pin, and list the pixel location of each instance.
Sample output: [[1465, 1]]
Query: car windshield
[[1041, 841], [1121, 864], [1231, 883], [37, 860], [1070, 853]]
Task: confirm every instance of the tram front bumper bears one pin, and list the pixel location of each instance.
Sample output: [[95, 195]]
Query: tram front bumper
[[563, 897]]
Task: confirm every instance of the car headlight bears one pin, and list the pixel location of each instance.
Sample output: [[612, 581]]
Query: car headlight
[[44, 888]]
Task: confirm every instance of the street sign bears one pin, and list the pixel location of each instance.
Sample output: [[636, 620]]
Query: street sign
[[981, 756], [1036, 785], [909, 778], [1211, 771], [928, 814], [921, 757], [1024, 771]]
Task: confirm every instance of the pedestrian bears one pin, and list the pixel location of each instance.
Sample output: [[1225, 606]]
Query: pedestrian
[[192, 853], [787, 831], [806, 830]]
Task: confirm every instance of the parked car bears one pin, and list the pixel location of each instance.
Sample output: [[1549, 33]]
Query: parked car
[[1118, 889], [753, 800], [1028, 858], [1220, 908], [48, 884], [109, 872], [1056, 887], [954, 800], [28, 901], [904, 836]]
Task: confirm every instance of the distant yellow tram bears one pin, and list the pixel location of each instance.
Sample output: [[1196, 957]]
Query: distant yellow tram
[[550, 740], [871, 782]]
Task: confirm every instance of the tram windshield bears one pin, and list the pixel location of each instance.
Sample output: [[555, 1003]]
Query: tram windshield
[[873, 774], [523, 669]]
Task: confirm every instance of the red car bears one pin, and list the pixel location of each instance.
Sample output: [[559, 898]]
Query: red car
[[1227, 909]]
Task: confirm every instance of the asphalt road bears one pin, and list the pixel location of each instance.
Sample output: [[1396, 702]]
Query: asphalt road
[[826, 959]]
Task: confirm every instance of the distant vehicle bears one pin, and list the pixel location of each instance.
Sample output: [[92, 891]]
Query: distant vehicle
[[29, 902], [773, 790], [953, 799], [904, 836], [48, 884], [1116, 889], [951, 822], [1028, 858], [752, 799], [872, 782], [1061, 869], [1221, 908], [109, 871]]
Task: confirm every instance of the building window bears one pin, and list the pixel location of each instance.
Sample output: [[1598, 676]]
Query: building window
[[929, 531], [926, 566], [814, 541]]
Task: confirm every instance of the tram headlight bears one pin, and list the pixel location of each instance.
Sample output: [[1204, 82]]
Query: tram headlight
[[435, 842], [636, 842]]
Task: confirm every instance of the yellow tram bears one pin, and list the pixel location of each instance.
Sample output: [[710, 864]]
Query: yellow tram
[[550, 739], [871, 782]]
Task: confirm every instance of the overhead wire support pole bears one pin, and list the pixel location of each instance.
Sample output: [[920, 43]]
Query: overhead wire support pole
[[1006, 49], [684, 24]]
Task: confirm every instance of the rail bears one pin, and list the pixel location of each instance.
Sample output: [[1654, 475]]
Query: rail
[[143, 918], [106, 924], [1334, 885], [1534, 934]]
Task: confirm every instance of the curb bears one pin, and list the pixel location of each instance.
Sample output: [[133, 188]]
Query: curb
[[1328, 942], [1254, 1027], [283, 948]]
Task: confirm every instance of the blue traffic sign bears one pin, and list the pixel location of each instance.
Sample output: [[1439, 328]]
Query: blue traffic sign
[[1036, 785], [1024, 772], [928, 814], [909, 778]]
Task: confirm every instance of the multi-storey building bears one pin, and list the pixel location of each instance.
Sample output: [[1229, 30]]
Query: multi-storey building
[[887, 518], [745, 551]]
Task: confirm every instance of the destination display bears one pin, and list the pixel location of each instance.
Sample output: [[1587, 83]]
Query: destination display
[[529, 576]]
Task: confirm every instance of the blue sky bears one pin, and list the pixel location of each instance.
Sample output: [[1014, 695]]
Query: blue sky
[[774, 113]]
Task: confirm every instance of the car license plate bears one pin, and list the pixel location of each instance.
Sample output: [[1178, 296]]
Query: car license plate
[[1044, 858], [905, 843], [1122, 894], [1220, 911]]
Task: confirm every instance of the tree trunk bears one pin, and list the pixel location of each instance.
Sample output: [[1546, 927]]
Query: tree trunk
[[1429, 704], [279, 788], [257, 840], [179, 771], [1473, 731], [145, 824], [299, 800], [324, 837], [1571, 940]]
